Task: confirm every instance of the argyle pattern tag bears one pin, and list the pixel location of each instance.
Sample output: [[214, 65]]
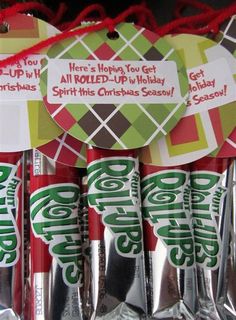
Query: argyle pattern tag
[[66, 150], [117, 126]]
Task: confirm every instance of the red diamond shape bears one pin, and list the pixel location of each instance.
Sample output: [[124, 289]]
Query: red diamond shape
[[67, 156], [104, 52], [151, 36], [185, 131], [65, 120], [50, 148]]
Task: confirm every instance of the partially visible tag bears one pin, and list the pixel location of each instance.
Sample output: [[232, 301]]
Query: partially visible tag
[[20, 82], [24, 121], [210, 116], [209, 87]]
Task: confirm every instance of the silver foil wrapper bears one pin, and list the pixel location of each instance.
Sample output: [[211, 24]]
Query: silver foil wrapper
[[212, 186], [115, 229], [169, 245], [83, 214]]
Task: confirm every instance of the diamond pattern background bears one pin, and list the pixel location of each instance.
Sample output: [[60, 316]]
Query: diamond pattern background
[[66, 150]]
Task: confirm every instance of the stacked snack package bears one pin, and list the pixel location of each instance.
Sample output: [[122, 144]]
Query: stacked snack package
[[56, 248], [11, 235], [83, 214], [169, 245], [115, 230], [228, 291], [211, 190]]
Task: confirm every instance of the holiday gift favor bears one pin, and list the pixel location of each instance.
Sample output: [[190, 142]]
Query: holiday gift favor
[[169, 245], [56, 249], [115, 231], [211, 196]]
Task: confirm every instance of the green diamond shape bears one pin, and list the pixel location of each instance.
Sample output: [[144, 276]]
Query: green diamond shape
[[144, 126], [117, 44], [132, 135], [127, 30], [173, 121], [131, 112], [77, 132], [129, 54], [162, 46], [142, 44], [55, 50], [94, 41], [77, 110], [159, 111], [76, 52]]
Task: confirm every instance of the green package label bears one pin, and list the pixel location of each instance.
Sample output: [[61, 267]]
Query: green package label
[[9, 234], [166, 206], [207, 197], [114, 192], [54, 219]]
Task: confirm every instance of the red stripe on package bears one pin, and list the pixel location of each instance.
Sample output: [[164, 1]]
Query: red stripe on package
[[56, 249], [115, 230]]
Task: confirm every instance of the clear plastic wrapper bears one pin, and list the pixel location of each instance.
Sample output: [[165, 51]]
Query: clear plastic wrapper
[[115, 230]]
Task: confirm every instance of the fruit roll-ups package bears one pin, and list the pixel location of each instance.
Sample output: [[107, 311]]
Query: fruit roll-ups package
[[56, 248], [169, 246], [227, 294], [11, 235], [115, 231], [211, 197], [83, 215]]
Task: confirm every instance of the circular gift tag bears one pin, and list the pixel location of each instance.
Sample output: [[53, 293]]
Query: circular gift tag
[[115, 93], [24, 121], [66, 150], [227, 39], [210, 115]]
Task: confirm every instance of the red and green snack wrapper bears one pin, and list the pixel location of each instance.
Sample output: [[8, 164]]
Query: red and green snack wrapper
[[211, 192], [115, 231], [56, 248], [228, 288], [83, 214], [11, 236], [169, 246]]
